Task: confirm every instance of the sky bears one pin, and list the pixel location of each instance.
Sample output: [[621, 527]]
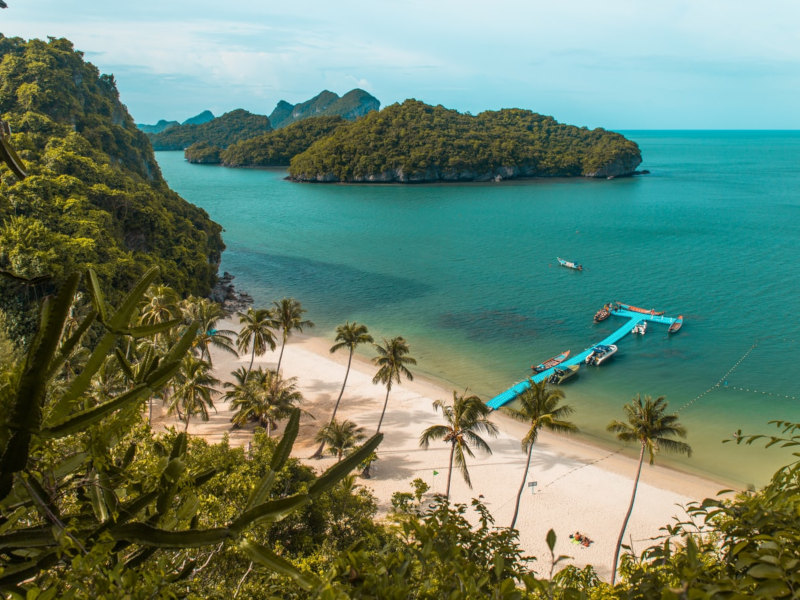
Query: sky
[[617, 64]]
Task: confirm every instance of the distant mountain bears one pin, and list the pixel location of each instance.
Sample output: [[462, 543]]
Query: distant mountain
[[352, 105], [221, 131], [203, 117], [415, 142], [158, 127]]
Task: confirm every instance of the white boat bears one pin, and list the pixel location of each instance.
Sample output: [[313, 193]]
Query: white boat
[[600, 353], [640, 328]]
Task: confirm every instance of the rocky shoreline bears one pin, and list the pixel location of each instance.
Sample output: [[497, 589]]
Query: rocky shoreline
[[225, 293]]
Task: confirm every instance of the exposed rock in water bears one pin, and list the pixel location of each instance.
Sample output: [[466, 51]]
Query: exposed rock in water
[[225, 293]]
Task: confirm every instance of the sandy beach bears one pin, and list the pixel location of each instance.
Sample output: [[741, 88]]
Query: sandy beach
[[579, 487]]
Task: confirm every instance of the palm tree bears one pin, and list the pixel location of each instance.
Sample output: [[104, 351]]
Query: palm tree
[[465, 417], [288, 315], [648, 425], [349, 335], [280, 396], [194, 390], [340, 436], [160, 304], [538, 406], [256, 329], [246, 396], [207, 314], [392, 360]]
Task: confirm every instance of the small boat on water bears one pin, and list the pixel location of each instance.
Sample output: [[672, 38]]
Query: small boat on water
[[676, 325], [640, 328], [551, 362], [600, 353], [569, 264], [603, 313], [561, 374], [646, 311]]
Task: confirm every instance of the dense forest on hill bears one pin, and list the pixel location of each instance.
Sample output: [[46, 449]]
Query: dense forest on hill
[[275, 148], [94, 195], [221, 131], [414, 142]]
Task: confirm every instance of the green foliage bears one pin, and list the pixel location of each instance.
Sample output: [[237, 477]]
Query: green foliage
[[414, 141], [221, 131], [275, 148], [88, 502], [203, 153], [746, 547], [94, 196]]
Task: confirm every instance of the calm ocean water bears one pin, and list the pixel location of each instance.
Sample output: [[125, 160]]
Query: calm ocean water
[[467, 274]]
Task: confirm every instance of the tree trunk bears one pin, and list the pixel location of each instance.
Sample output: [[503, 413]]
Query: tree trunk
[[450, 470], [522, 486], [627, 516], [280, 358], [186, 427], [252, 358], [318, 453], [383, 412]]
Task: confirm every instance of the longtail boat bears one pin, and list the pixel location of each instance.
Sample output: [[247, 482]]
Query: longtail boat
[[646, 311], [569, 264], [551, 362], [676, 325]]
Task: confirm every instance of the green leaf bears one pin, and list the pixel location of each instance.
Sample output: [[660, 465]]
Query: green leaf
[[338, 471], [69, 345], [85, 418], [148, 330], [551, 539], [271, 511], [265, 557], [279, 458], [139, 533], [765, 571], [121, 318], [97, 295]]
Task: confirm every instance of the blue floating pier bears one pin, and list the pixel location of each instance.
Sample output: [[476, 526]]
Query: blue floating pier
[[633, 318]]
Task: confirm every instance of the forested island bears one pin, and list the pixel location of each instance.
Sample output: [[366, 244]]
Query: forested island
[[221, 131], [99, 262], [275, 148], [415, 142]]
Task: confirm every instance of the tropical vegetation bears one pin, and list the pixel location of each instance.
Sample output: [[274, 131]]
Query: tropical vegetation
[[94, 195], [465, 418], [221, 131], [648, 425], [392, 358], [276, 148], [287, 315], [414, 142], [538, 407]]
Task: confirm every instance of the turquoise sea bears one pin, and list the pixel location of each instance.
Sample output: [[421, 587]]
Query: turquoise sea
[[467, 273]]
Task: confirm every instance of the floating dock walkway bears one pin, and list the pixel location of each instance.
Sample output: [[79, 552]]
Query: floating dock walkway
[[633, 319]]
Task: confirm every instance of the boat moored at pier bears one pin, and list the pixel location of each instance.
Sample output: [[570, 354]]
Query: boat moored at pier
[[600, 354], [550, 362]]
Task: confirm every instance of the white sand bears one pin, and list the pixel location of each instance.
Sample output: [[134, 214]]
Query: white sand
[[580, 487]]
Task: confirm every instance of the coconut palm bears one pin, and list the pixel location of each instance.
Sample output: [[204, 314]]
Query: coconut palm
[[349, 335], [392, 360], [653, 429], [340, 436], [160, 304], [275, 398], [288, 316], [195, 386], [464, 419], [256, 330], [538, 406], [207, 314], [246, 396]]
